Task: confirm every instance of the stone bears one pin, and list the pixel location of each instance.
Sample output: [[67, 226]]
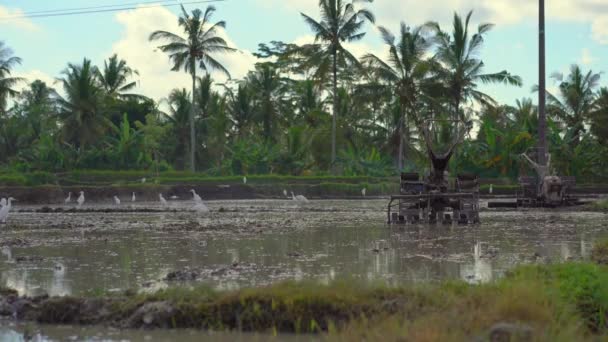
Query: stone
[[507, 332]]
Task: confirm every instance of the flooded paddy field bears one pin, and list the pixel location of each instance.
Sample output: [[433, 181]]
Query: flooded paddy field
[[145, 247]]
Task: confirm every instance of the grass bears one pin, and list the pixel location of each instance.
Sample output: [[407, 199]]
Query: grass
[[601, 205]]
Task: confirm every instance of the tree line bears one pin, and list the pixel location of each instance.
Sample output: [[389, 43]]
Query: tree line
[[304, 109]]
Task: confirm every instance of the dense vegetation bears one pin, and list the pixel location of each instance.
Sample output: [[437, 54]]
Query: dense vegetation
[[304, 110]]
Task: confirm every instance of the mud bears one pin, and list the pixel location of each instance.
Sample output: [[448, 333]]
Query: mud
[[251, 243]]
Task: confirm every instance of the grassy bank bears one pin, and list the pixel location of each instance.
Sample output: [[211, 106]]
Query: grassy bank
[[558, 302]]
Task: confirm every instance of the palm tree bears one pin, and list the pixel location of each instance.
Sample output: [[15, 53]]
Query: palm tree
[[575, 100], [268, 89], [406, 72], [195, 50], [340, 22], [115, 78], [81, 110], [461, 69], [180, 108], [7, 62], [524, 115], [241, 108], [599, 116]]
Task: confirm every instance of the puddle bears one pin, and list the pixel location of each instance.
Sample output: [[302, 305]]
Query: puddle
[[251, 243], [49, 333]]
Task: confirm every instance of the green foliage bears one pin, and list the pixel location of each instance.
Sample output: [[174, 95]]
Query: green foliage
[[599, 253], [284, 117]]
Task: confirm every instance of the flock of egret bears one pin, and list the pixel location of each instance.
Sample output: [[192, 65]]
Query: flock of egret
[[199, 205]]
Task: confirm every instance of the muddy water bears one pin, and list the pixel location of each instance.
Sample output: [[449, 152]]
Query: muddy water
[[44, 333], [250, 243]]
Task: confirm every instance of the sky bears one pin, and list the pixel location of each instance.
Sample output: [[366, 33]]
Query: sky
[[577, 32]]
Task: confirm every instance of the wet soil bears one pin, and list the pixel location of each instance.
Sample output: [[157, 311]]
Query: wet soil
[[145, 246]]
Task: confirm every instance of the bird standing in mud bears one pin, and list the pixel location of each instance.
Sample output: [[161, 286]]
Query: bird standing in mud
[[245, 180], [69, 198], [133, 197], [197, 199], [80, 199], [116, 200], [163, 201], [6, 208], [285, 193], [198, 203], [363, 191], [299, 198]]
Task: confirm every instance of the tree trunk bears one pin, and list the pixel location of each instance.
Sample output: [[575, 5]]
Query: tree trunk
[[335, 113], [192, 128], [400, 134]]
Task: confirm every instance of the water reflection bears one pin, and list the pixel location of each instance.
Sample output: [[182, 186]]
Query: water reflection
[[140, 253], [20, 333]]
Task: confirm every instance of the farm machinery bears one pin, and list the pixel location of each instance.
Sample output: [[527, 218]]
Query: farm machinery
[[432, 199], [543, 190]]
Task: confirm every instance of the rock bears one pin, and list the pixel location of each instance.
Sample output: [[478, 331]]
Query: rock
[[29, 258], [182, 275], [152, 315], [506, 332], [6, 309]]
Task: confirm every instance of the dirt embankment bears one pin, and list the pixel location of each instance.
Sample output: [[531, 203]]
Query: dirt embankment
[[215, 191]]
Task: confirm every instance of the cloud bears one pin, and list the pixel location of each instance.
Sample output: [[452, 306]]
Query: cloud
[[13, 18], [586, 57], [599, 29], [156, 79], [500, 12], [32, 75]]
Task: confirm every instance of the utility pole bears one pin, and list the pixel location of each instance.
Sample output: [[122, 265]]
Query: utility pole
[[542, 117]]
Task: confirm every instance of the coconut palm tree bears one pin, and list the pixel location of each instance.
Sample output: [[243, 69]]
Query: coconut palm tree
[[341, 22], [599, 116], [81, 111], [7, 83], [406, 72], [268, 89], [575, 99], [178, 116], [461, 68], [241, 108], [114, 78], [195, 50]]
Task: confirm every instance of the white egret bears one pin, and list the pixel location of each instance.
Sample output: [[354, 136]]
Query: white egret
[[6, 209], [133, 197], [363, 191], [143, 180], [491, 188], [174, 197], [285, 193], [116, 200], [201, 207], [69, 198], [163, 201], [245, 180], [80, 199], [299, 198], [196, 197]]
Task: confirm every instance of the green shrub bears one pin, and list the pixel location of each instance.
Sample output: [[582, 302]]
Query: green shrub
[[12, 180]]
